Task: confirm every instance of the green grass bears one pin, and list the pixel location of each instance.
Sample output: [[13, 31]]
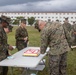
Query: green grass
[[34, 40]]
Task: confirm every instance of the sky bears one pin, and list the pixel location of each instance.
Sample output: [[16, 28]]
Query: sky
[[37, 5]]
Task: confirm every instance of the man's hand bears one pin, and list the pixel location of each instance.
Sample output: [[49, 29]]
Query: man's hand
[[10, 47], [26, 38], [74, 32]]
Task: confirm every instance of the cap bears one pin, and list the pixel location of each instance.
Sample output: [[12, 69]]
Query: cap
[[74, 22], [23, 21], [5, 19], [2, 20], [49, 20], [57, 20], [66, 18]]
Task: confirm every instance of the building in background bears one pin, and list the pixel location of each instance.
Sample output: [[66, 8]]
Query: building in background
[[43, 15]]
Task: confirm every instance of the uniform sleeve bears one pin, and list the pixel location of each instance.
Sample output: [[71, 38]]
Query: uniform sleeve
[[17, 35], [74, 27], [1, 45], [27, 35], [44, 41]]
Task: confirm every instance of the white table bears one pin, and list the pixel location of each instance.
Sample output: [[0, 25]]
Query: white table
[[19, 60]]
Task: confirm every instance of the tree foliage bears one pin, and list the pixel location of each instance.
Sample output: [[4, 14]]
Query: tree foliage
[[31, 20], [17, 20]]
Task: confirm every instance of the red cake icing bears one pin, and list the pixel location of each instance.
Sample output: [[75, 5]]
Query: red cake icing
[[31, 52]]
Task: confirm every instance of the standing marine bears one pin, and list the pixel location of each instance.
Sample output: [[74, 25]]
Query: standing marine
[[21, 35], [4, 46]]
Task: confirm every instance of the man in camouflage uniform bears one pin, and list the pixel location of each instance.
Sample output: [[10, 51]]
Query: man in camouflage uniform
[[4, 46], [69, 32], [21, 35], [74, 28], [54, 37]]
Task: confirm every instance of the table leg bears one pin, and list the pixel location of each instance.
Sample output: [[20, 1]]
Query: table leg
[[25, 71], [11, 70]]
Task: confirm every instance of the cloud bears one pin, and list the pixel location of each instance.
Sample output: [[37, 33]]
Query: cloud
[[39, 5], [13, 2]]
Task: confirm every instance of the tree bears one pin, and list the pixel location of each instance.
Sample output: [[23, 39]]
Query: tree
[[17, 20], [31, 20]]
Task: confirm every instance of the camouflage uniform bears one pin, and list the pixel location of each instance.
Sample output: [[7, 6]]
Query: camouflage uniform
[[21, 33], [3, 50], [74, 28], [54, 37], [69, 33], [3, 43]]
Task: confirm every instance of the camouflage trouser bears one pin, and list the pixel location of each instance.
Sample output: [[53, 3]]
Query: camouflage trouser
[[3, 70], [0, 70], [58, 64]]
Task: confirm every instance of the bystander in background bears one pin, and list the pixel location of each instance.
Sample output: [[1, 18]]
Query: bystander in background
[[21, 35]]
